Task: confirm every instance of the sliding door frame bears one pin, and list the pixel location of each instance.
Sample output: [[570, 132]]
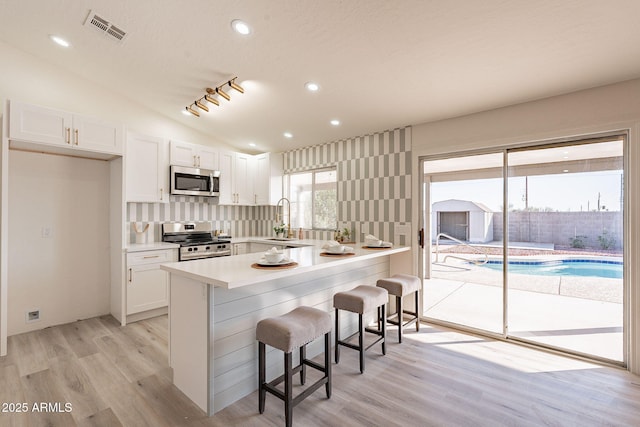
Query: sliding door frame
[[425, 253]]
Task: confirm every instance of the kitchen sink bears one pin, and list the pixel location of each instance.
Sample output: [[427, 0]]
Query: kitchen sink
[[281, 239]]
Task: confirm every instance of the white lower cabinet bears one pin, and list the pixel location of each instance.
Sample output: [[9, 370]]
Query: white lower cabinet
[[147, 285]]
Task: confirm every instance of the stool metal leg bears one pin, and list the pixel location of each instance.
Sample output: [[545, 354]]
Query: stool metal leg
[[400, 317], [303, 371], [288, 389], [361, 342], [384, 329], [262, 392], [417, 312], [327, 362], [337, 348]]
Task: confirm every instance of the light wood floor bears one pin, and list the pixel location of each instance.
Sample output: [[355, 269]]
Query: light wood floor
[[115, 376]]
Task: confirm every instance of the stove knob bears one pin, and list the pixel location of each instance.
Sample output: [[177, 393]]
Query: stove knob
[[195, 249], [207, 248], [189, 249]]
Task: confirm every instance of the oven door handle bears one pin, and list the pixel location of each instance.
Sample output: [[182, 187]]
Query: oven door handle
[[211, 183], [226, 252]]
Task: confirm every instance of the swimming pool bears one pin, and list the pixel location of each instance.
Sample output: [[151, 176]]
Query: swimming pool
[[563, 267]]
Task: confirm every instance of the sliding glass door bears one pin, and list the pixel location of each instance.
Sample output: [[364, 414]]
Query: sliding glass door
[[465, 199], [565, 281], [527, 244]]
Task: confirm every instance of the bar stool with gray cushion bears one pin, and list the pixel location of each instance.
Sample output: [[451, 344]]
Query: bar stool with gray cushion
[[400, 285], [361, 300], [287, 332]]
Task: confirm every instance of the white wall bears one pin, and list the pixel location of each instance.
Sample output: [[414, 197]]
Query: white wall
[[602, 109], [66, 275]]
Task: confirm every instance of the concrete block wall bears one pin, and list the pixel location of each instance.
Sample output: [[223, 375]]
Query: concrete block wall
[[560, 228]]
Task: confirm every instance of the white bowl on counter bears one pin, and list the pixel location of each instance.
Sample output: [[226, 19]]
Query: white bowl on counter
[[335, 249], [274, 257]]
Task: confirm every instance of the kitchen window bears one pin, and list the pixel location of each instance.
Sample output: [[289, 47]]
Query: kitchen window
[[314, 199]]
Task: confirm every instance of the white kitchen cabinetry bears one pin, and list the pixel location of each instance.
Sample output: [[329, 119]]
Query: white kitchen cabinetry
[[268, 178], [147, 285], [236, 179], [193, 155], [147, 169], [35, 124]]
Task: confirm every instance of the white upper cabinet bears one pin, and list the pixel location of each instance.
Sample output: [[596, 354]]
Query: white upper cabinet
[[35, 124], [236, 179], [147, 169], [243, 179], [268, 179], [250, 180], [193, 155]]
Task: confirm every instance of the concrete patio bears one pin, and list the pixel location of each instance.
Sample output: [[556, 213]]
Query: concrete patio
[[580, 314]]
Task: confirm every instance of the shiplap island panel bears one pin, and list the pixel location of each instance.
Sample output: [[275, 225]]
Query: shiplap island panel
[[216, 303]]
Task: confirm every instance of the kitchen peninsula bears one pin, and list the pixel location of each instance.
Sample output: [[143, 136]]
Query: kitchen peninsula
[[216, 303]]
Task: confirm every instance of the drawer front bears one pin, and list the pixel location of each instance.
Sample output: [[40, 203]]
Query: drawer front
[[152, 257]]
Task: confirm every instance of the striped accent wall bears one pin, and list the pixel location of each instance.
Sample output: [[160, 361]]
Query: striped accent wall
[[374, 182]]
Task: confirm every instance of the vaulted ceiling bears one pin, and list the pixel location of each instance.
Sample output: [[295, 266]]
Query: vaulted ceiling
[[379, 64]]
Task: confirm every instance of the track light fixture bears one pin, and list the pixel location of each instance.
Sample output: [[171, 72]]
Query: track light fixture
[[223, 94], [235, 86], [192, 111], [210, 97], [201, 106]]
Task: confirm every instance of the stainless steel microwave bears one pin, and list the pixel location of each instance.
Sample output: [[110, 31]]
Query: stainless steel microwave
[[194, 181]]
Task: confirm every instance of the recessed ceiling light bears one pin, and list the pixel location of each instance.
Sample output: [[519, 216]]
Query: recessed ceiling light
[[288, 135], [240, 27], [59, 40], [565, 170], [335, 122], [312, 87], [252, 144]]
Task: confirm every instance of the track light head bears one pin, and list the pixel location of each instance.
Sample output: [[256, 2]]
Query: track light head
[[201, 106], [210, 98], [192, 111], [235, 86], [223, 94]]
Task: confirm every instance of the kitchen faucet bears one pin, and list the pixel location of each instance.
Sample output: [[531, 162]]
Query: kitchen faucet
[[278, 218]]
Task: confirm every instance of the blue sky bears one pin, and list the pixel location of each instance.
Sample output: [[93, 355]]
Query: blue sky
[[567, 192]]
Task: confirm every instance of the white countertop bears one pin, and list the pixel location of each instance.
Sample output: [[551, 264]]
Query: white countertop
[[236, 271]]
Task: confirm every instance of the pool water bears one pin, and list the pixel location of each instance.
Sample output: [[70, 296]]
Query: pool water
[[567, 267]]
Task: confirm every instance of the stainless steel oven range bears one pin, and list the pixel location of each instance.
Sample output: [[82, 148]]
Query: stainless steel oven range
[[196, 240]]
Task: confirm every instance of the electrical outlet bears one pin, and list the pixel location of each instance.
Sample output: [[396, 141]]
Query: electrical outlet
[[46, 232], [32, 315]]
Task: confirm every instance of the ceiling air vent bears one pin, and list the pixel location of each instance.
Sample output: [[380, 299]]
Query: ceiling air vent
[[105, 27]]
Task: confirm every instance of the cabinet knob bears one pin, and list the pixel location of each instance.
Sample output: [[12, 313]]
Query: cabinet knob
[[68, 135], [130, 275], [76, 132], [161, 194]]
